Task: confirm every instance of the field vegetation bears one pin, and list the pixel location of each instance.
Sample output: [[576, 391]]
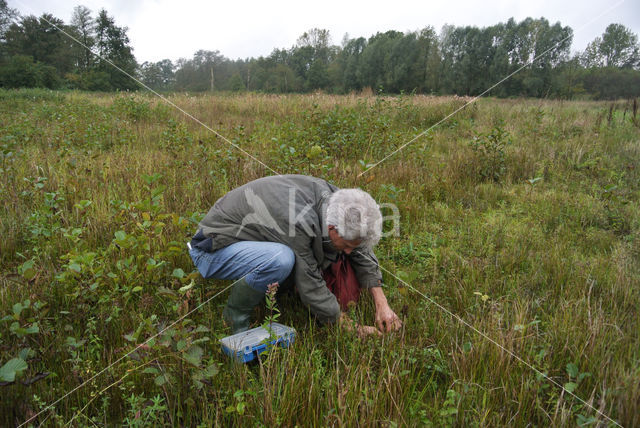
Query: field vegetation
[[519, 216]]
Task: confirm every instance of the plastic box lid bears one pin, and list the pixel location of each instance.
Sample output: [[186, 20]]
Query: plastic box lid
[[245, 346]]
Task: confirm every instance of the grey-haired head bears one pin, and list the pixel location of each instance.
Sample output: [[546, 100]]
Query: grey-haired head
[[356, 216]]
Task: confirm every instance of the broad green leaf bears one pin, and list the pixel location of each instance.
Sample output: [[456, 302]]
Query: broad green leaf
[[194, 355], [26, 353], [160, 380], [202, 329], [314, 152], [572, 370], [581, 376], [33, 329], [12, 369], [15, 328], [584, 421], [158, 191], [201, 340], [166, 292], [448, 411], [83, 204], [150, 179], [71, 341], [17, 308], [211, 370], [28, 273], [197, 380]]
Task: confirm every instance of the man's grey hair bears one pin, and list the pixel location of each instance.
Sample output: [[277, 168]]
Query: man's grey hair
[[356, 216]]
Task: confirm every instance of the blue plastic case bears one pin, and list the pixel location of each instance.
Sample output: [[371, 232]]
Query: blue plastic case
[[247, 345]]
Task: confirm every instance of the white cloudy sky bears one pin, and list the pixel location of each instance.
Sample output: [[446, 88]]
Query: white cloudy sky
[[161, 29]]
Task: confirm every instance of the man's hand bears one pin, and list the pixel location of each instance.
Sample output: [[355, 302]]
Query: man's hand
[[361, 330], [367, 330], [386, 319]]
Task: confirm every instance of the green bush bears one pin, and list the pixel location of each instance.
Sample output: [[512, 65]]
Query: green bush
[[21, 71], [490, 153]]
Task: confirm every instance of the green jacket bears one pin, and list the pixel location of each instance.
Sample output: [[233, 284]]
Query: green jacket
[[291, 210]]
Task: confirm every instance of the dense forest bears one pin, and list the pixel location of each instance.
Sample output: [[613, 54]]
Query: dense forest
[[39, 52]]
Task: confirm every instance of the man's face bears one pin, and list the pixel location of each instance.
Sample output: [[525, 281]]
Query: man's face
[[341, 244]]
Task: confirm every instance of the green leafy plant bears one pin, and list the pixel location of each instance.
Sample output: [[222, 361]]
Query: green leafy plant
[[131, 107], [12, 369], [176, 136], [273, 313], [575, 376], [449, 409], [490, 150], [240, 405], [23, 324], [144, 413]]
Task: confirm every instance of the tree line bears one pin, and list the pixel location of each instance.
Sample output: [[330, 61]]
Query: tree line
[[36, 52], [467, 60]]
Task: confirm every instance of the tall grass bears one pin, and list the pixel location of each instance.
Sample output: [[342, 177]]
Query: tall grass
[[519, 216]]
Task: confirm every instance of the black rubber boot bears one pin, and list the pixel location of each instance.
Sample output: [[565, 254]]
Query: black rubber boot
[[242, 300]]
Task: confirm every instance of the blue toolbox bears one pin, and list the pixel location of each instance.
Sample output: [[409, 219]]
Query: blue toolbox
[[247, 345]]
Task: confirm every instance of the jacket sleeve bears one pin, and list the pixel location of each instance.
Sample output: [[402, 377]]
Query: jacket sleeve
[[312, 288], [366, 267]]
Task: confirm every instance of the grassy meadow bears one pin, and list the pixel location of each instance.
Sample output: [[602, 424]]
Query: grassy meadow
[[519, 216]]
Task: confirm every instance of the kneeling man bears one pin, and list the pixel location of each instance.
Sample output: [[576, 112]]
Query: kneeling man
[[269, 228]]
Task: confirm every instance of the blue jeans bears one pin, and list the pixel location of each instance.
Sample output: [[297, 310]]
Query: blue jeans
[[259, 263]]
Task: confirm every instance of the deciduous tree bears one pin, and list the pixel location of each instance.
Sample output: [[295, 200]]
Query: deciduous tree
[[112, 44]]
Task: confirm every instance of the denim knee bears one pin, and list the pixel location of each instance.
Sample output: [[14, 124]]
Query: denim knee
[[276, 269], [284, 263]]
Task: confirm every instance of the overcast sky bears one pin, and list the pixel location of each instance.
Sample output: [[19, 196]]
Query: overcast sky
[[160, 29]]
